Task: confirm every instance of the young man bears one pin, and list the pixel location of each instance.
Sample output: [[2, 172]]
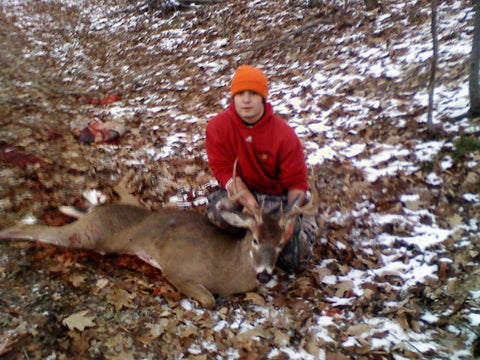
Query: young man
[[271, 164]]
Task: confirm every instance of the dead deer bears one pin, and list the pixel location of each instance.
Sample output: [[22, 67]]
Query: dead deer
[[196, 257]]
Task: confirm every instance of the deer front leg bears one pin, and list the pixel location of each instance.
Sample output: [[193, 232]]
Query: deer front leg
[[196, 291]]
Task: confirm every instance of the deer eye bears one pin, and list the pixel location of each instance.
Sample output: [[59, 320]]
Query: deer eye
[[255, 242]]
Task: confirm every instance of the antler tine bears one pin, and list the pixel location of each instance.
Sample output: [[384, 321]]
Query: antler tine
[[310, 208], [238, 194], [257, 213]]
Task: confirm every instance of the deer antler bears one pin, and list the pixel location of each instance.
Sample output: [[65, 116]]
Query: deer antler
[[257, 213], [310, 208]]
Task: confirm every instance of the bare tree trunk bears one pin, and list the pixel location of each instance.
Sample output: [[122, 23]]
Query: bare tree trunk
[[474, 81], [371, 4], [431, 86]]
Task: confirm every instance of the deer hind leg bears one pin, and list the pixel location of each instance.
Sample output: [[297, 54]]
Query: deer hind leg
[[123, 194], [196, 291]]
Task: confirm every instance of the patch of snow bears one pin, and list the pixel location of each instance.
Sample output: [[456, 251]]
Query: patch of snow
[[353, 150], [474, 319], [433, 179], [475, 198], [430, 317]]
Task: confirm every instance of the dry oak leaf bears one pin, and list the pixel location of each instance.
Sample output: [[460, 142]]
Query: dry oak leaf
[[336, 356], [455, 220], [358, 329], [79, 321], [101, 283], [344, 289], [249, 335], [120, 298], [118, 340], [255, 298], [123, 355], [281, 338], [155, 331], [77, 280]]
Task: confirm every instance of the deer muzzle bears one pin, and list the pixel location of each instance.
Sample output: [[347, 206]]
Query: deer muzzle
[[264, 277]]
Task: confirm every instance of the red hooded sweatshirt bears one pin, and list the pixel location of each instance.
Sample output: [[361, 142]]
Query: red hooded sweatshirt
[[270, 155]]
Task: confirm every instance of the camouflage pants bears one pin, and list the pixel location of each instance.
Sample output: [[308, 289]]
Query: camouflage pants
[[296, 253]]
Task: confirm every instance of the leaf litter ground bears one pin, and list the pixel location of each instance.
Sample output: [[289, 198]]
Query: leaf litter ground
[[395, 269]]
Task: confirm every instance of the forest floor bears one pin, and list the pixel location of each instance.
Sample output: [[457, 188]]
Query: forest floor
[[395, 272]]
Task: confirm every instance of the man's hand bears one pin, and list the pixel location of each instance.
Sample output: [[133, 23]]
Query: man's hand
[[294, 194], [239, 194]]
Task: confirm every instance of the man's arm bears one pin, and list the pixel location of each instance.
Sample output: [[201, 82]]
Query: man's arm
[[291, 163], [220, 156], [294, 194]]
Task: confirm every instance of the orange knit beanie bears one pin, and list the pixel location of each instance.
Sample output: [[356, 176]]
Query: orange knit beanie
[[249, 78]]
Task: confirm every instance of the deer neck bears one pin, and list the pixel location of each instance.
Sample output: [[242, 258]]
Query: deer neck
[[244, 259]]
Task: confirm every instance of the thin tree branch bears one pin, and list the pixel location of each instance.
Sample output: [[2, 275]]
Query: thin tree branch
[[434, 62], [474, 85]]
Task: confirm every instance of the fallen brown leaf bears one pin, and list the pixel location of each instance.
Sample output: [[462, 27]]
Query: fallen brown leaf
[[120, 298], [79, 321]]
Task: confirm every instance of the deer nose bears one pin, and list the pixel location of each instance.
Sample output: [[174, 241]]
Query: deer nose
[[264, 277]]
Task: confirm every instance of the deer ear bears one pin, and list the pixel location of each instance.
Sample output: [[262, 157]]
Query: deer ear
[[289, 226], [238, 219]]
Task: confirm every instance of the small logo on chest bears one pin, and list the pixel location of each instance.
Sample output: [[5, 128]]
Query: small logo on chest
[[249, 139], [264, 156]]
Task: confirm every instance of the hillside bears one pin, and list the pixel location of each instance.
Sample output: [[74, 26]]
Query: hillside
[[395, 270]]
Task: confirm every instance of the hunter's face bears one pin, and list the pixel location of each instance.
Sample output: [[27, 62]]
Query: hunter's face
[[249, 106]]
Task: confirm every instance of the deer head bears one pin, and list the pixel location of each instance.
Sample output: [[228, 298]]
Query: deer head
[[268, 233]]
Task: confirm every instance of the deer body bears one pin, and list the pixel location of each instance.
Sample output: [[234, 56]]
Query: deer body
[[196, 257]]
